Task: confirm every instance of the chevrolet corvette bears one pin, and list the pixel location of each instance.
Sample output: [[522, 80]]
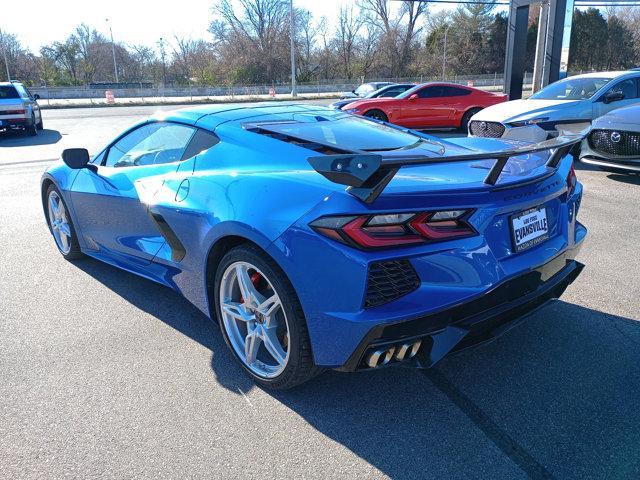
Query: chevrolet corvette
[[319, 240]]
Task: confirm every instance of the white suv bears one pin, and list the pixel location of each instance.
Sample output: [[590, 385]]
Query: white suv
[[568, 105], [19, 109]]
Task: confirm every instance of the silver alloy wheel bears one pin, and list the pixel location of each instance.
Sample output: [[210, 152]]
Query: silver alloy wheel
[[59, 223], [254, 319]]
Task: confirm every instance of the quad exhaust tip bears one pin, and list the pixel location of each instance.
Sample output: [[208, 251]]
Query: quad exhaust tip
[[400, 352]]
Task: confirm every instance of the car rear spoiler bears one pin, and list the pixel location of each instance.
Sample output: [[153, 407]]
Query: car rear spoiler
[[367, 175]]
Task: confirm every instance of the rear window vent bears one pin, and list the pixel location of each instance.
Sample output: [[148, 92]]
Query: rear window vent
[[301, 142]]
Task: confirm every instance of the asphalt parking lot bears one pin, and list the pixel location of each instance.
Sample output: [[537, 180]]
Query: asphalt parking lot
[[106, 375]]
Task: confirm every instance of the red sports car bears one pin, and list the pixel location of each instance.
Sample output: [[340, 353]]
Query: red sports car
[[429, 105]]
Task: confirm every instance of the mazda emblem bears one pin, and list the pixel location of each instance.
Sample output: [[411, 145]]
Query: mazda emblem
[[483, 125], [616, 137]]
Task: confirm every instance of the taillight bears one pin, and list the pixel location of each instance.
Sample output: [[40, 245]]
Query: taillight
[[12, 112], [572, 181], [395, 229]]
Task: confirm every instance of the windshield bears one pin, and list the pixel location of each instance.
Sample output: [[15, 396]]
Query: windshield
[[348, 133], [364, 89], [571, 89], [8, 91]]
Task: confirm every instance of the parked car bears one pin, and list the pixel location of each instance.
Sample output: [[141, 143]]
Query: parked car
[[388, 91], [428, 105], [19, 109], [613, 144], [364, 89], [244, 211], [568, 105]]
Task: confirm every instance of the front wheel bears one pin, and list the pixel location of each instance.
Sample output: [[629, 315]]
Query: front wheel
[[377, 115], [261, 319], [61, 225]]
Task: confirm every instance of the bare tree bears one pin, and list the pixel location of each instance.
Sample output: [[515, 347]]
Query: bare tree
[[349, 25]]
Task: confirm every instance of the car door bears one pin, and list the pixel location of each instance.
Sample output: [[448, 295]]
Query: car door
[[110, 204], [423, 109], [629, 87], [455, 101]]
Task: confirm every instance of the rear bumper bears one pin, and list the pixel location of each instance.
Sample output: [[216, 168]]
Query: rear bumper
[[18, 122], [475, 321]]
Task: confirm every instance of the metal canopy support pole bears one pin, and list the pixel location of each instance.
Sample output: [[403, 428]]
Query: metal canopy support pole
[[516, 48], [541, 43], [558, 41]]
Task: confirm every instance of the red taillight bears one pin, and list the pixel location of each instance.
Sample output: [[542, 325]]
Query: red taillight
[[396, 229], [572, 181], [12, 112]]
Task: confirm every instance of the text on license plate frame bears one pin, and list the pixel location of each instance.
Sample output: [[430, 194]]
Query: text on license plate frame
[[523, 219]]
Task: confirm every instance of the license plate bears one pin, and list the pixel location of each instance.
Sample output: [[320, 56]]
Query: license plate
[[529, 228]]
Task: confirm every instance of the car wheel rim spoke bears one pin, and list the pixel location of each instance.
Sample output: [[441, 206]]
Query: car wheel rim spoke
[[254, 319], [272, 345], [237, 311]]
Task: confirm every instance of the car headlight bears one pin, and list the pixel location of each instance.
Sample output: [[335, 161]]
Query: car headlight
[[352, 110], [532, 121]]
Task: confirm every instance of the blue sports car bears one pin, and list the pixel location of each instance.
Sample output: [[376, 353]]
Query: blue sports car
[[319, 239]]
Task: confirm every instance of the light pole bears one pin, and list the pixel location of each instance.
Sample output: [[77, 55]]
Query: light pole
[[164, 68], [113, 51], [4, 53], [294, 90], [444, 52]]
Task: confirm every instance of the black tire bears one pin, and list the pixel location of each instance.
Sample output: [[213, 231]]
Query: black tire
[[40, 124], [32, 128], [464, 123], [377, 115], [74, 252], [300, 367]]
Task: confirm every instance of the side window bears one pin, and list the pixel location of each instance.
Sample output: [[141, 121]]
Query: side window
[[150, 144], [22, 91], [627, 87], [392, 92], [430, 92], [454, 91], [201, 141], [97, 160]]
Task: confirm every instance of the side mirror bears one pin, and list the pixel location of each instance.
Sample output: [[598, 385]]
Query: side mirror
[[36, 96], [413, 97], [613, 97], [75, 158]]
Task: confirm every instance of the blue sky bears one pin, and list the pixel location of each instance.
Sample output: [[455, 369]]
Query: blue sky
[[133, 21]]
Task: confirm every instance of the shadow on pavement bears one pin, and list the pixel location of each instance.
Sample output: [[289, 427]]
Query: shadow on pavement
[[559, 395], [633, 179], [19, 139]]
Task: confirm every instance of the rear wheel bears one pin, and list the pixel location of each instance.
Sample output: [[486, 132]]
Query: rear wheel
[[32, 128], [377, 115], [464, 123], [40, 124], [261, 319], [61, 225]]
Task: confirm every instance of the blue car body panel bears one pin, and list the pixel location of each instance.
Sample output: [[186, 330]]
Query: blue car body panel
[[263, 189]]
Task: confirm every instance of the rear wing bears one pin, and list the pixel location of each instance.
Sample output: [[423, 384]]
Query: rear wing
[[366, 175]]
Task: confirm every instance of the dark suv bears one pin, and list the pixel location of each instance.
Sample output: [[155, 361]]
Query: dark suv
[[19, 109]]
